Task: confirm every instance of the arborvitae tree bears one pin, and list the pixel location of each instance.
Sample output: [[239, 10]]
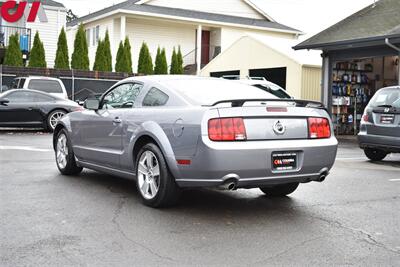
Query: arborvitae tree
[[62, 58], [120, 55], [107, 53], [37, 57], [128, 54], [174, 63], [145, 65], [80, 57], [180, 61], [100, 60], [13, 56], [161, 66]]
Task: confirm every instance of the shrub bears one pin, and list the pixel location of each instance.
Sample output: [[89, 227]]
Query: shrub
[[174, 63], [180, 61], [128, 54], [161, 65], [37, 57], [100, 59], [13, 56], [107, 53], [62, 58], [122, 64], [80, 56], [145, 64]]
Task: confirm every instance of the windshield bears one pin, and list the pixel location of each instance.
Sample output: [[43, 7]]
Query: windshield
[[387, 97], [273, 89], [210, 91]]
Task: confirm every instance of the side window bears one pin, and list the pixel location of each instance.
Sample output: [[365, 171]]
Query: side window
[[123, 96], [43, 98], [48, 86], [155, 98], [15, 84], [21, 97]]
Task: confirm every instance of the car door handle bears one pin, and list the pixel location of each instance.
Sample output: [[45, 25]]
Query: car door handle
[[30, 108], [117, 120]]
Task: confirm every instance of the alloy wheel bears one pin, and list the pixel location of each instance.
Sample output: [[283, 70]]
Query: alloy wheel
[[62, 151], [55, 117], [148, 174]]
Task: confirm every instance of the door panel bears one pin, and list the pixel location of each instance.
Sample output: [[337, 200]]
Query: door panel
[[21, 110], [101, 131]]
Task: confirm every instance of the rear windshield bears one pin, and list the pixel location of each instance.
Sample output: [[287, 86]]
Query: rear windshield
[[210, 91], [48, 86], [273, 89], [386, 97]]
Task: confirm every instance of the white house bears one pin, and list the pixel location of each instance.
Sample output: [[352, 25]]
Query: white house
[[49, 28], [202, 28]]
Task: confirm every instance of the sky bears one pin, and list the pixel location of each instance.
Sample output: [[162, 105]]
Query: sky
[[309, 16]]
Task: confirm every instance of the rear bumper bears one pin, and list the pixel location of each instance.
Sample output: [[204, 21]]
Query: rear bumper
[[387, 143], [249, 164]]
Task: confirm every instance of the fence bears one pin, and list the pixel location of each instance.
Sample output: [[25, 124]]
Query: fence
[[79, 84], [23, 33]]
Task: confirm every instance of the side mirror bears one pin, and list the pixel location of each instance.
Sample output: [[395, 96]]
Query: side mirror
[[4, 101], [92, 104]]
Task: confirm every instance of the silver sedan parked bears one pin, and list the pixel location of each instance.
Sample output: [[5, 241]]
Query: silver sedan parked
[[174, 132]]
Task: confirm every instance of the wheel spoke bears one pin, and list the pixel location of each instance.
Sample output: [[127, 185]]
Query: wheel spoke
[[145, 188], [156, 170], [153, 188], [149, 160]]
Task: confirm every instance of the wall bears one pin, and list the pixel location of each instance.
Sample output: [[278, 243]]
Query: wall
[[247, 53], [159, 33], [311, 83], [236, 7], [49, 31]]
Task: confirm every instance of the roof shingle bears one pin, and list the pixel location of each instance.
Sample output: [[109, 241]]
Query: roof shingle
[[379, 19]]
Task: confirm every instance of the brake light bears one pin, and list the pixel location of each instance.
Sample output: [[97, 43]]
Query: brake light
[[227, 129], [365, 118], [318, 128]]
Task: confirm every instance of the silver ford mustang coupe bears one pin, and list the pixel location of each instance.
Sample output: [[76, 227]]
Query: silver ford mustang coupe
[[173, 132]]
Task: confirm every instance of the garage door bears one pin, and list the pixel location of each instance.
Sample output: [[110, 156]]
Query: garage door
[[275, 75]]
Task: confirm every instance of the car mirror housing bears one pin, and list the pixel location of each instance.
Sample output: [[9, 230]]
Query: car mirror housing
[[92, 104], [4, 101]]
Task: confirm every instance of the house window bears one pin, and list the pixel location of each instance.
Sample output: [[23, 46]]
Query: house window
[[96, 35], [87, 31]]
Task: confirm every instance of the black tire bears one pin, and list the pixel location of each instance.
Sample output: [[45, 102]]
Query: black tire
[[375, 154], [280, 190], [168, 192], [50, 125], [70, 167]]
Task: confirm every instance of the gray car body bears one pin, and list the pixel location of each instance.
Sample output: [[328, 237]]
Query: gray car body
[[180, 131], [376, 135]]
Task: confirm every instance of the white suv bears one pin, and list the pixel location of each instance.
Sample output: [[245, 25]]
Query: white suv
[[49, 85]]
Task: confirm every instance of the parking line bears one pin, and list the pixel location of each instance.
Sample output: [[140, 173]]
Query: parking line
[[394, 180], [24, 148]]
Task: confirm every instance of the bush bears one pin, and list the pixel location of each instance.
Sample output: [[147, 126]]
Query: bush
[[122, 64], [37, 58], [107, 53], [13, 56], [100, 59], [128, 54], [180, 61], [62, 58], [145, 64], [80, 57], [161, 65], [174, 63]]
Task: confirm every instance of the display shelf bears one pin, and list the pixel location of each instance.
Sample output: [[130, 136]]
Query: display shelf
[[353, 70]]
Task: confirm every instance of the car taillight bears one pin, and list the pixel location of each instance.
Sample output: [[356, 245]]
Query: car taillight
[[227, 129], [318, 128], [365, 118]]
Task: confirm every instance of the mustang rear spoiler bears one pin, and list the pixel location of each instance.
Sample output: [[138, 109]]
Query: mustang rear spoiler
[[297, 103]]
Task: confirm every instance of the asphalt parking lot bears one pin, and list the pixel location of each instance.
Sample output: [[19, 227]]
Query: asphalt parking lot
[[47, 219]]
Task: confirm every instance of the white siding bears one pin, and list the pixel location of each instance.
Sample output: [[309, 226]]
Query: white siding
[[163, 34], [237, 8], [49, 32], [105, 24]]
